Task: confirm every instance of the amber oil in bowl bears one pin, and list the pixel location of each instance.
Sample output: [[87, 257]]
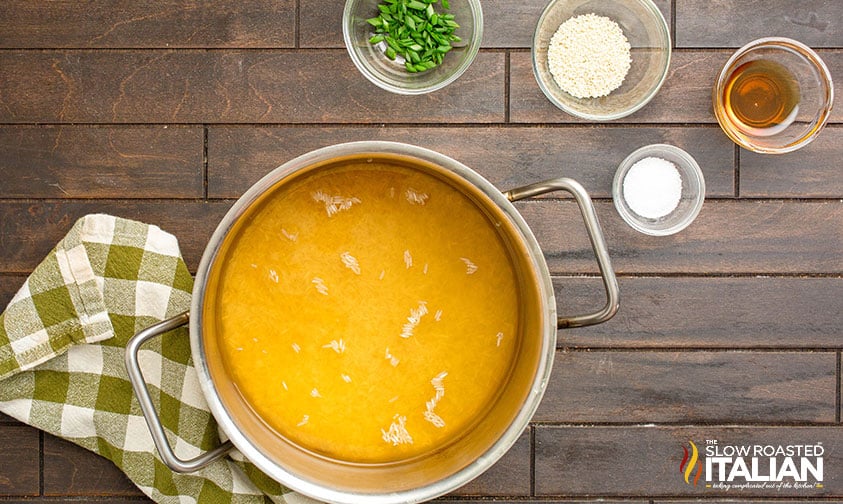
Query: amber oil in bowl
[[774, 95]]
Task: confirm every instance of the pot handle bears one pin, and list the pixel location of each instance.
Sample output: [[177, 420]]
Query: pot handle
[[598, 244], [168, 456]]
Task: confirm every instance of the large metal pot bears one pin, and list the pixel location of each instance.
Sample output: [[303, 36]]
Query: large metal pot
[[423, 477]]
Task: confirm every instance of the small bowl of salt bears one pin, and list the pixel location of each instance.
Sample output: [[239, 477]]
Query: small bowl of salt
[[659, 189]]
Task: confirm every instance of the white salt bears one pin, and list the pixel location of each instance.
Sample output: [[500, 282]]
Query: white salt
[[652, 187]]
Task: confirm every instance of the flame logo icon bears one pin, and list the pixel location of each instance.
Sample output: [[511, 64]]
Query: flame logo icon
[[689, 463]]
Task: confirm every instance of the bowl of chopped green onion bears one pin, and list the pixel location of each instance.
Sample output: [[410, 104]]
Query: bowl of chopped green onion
[[412, 46]]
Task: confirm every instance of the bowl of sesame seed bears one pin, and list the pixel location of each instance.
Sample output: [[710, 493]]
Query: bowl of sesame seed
[[601, 60]]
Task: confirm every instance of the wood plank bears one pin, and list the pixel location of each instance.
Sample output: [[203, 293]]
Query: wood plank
[[834, 60], [728, 237], [85, 162], [509, 477], [88, 499], [190, 86], [72, 470], [811, 172], [733, 23], [512, 24], [684, 98], [632, 461], [128, 24], [505, 24], [627, 387], [7, 420], [239, 156], [734, 313], [19, 460], [9, 285], [452, 500], [28, 231], [320, 24], [754, 501]]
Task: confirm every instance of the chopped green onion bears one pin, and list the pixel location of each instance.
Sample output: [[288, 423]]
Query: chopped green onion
[[415, 31]]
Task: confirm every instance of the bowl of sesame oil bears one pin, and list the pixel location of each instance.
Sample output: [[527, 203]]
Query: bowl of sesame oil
[[774, 95]]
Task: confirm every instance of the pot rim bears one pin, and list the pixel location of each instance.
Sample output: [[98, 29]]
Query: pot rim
[[546, 297]]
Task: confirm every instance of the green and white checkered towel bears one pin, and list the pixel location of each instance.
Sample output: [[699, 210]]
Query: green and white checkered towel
[[62, 342]]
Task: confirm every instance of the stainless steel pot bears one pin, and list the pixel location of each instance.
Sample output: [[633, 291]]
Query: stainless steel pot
[[423, 477]]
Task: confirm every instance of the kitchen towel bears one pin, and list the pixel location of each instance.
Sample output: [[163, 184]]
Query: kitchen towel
[[62, 342]]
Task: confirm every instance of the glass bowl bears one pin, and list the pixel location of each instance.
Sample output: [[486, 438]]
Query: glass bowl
[[647, 32], [774, 95], [690, 198], [391, 75]]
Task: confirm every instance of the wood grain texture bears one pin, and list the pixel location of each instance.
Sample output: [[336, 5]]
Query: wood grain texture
[[19, 461], [725, 313], [509, 477], [733, 23], [28, 231], [505, 24], [755, 501], [9, 285], [320, 24], [72, 470], [75, 499], [512, 24], [811, 172], [7, 420], [129, 162], [728, 237], [452, 500], [128, 24], [834, 62], [232, 86], [239, 156], [659, 387], [627, 461]]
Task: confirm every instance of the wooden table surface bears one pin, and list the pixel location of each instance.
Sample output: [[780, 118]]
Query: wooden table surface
[[730, 331]]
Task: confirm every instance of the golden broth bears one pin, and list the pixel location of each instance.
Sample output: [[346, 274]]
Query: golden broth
[[368, 312]]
